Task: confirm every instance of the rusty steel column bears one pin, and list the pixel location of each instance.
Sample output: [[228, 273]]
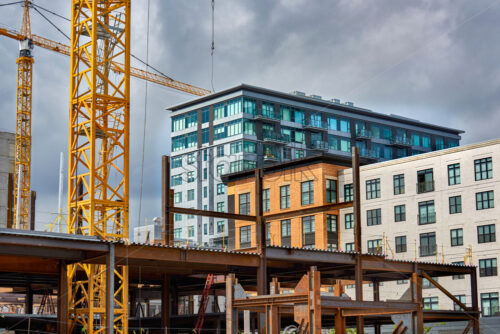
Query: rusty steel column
[[167, 229], [339, 319], [32, 209], [416, 288], [165, 304], [357, 233], [376, 298], [260, 230], [475, 302], [62, 298], [10, 201], [231, 314]]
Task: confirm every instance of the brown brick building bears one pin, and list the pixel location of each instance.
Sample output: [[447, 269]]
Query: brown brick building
[[300, 184]]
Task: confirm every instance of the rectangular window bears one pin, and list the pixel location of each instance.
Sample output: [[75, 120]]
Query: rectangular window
[[428, 244], [236, 147], [176, 180], [489, 303], [374, 246], [205, 192], [401, 244], [205, 136], [220, 150], [219, 111], [455, 277], [285, 197], [431, 303], [348, 193], [486, 233], [457, 237], [220, 226], [462, 299], [488, 267], [176, 162], [484, 200], [177, 197], [349, 247], [221, 188], [426, 213], [190, 176], [374, 217], [399, 184], [244, 202], [400, 213], [331, 191], [373, 189], [205, 115], [483, 169], [308, 236], [190, 231], [266, 200], [349, 220], [286, 233], [191, 158], [245, 237], [177, 233], [220, 169], [190, 195], [177, 217], [425, 181], [220, 207], [331, 223], [205, 229], [402, 281], [453, 174], [307, 192], [455, 204]]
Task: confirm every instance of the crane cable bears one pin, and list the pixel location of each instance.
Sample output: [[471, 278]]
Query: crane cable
[[213, 45], [145, 120]]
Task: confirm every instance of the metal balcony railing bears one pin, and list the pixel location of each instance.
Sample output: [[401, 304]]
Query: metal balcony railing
[[428, 218], [429, 250], [275, 137], [425, 187]]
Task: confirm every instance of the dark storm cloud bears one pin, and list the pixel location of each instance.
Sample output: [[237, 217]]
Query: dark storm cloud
[[436, 61]]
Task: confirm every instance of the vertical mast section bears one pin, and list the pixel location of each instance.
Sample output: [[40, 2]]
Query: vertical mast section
[[23, 125], [98, 168]]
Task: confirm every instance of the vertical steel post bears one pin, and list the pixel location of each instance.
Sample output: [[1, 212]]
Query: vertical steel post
[[357, 233], [165, 304], [110, 289], [167, 222], [475, 302], [32, 210], [416, 288], [62, 298], [10, 201], [261, 243]]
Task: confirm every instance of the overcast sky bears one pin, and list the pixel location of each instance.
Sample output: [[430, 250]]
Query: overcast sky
[[436, 61]]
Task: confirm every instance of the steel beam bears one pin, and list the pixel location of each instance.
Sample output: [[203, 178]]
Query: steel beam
[[308, 211], [215, 214]]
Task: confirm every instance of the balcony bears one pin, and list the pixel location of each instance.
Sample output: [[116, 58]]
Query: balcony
[[268, 116], [401, 142], [428, 218], [429, 250], [425, 187], [315, 124], [319, 145], [364, 152], [363, 134], [276, 138]]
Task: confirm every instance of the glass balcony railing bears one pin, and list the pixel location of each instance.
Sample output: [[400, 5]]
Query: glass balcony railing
[[319, 145], [267, 115], [363, 134], [425, 187], [317, 124], [428, 218], [428, 250], [401, 141], [275, 137]]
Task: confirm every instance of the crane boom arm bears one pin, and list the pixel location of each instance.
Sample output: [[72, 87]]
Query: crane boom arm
[[117, 67]]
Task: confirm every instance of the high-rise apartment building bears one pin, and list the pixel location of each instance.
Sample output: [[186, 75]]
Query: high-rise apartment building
[[245, 127]]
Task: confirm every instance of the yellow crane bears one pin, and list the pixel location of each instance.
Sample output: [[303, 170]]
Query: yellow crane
[[23, 124]]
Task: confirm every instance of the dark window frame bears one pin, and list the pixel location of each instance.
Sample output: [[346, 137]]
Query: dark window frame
[[485, 197], [401, 244], [399, 184], [331, 192], [454, 174], [285, 197], [489, 268], [374, 217], [483, 169], [373, 188], [486, 233], [457, 237], [400, 213], [307, 192], [244, 203]]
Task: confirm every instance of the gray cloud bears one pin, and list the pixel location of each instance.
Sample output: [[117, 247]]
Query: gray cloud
[[431, 60]]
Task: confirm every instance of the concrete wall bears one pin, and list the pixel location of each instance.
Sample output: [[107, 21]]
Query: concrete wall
[[7, 141]]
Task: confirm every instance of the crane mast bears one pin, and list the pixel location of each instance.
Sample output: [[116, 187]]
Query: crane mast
[[23, 125], [98, 170]]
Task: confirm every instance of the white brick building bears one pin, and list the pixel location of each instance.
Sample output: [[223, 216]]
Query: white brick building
[[433, 207]]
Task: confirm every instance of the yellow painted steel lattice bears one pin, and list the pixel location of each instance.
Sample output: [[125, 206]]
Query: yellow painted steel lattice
[[23, 126], [98, 171]]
